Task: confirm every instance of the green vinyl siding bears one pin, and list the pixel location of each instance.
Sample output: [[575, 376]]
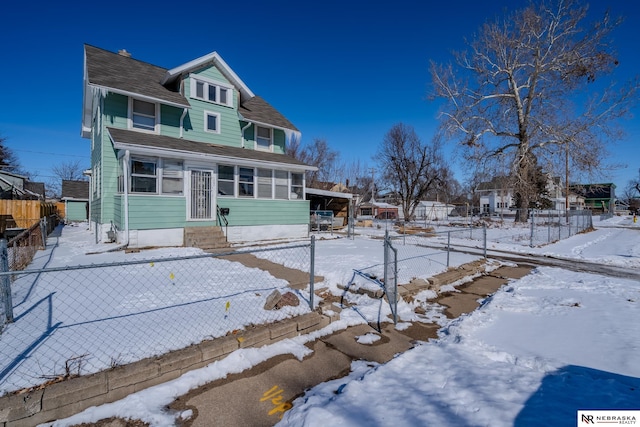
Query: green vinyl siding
[[170, 120], [118, 214], [229, 124], [278, 141], [116, 110], [194, 121], [168, 212], [265, 212], [115, 115]]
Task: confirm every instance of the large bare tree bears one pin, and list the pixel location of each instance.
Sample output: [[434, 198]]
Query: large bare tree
[[408, 167], [535, 87], [320, 155]]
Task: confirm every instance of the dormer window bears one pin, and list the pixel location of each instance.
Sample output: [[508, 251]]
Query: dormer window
[[264, 138], [211, 91], [143, 115]]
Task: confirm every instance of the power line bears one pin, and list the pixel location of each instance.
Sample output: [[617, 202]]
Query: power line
[[50, 154]]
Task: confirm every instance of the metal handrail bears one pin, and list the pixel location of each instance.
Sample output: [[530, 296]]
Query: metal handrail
[[222, 219]]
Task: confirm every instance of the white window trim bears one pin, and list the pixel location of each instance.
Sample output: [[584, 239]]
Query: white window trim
[[255, 138], [156, 127], [159, 162], [212, 113], [211, 82], [143, 159]]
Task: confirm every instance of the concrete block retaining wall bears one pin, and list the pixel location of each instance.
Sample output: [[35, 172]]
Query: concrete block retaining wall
[[63, 399]]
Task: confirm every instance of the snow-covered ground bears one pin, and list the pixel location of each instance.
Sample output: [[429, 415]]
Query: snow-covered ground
[[542, 348]]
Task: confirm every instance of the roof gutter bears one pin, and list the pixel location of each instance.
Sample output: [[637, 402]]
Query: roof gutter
[[184, 113]]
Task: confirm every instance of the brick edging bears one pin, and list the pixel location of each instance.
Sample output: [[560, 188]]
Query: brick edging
[[69, 397]]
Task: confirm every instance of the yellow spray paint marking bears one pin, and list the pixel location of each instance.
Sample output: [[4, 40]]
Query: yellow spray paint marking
[[172, 276], [227, 305], [275, 395], [152, 264]]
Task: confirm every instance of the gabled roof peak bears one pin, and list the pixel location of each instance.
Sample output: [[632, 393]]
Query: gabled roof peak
[[215, 59]]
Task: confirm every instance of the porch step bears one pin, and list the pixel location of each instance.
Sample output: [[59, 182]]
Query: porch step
[[205, 238]]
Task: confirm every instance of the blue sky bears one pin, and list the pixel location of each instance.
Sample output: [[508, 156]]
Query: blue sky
[[345, 71]]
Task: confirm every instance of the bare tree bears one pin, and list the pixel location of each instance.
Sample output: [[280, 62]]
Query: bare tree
[[65, 171], [320, 155], [8, 160], [409, 168], [510, 94]]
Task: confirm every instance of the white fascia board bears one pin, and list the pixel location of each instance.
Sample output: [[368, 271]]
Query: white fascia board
[[189, 155], [139, 96], [87, 107], [328, 193], [219, 62]]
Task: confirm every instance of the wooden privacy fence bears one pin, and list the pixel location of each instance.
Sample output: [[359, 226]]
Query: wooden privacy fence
[[25, 212]]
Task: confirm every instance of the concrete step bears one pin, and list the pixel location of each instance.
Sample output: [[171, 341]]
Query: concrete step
[[205, 238]]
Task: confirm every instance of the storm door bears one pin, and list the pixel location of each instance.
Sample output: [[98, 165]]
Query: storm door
[[201, 194]]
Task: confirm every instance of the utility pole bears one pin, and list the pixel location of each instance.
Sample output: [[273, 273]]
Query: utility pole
[[373, 186]]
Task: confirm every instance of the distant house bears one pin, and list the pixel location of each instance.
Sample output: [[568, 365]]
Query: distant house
[[18, 187], [75, 195], [377, 210], [186, 151], [497, 196], [597, 197], [433, 211]]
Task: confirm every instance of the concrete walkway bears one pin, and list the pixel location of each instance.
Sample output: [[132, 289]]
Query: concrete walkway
[[261, 395]]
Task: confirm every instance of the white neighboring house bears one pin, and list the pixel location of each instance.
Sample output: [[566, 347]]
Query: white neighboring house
[[497, 196], [433, 211]]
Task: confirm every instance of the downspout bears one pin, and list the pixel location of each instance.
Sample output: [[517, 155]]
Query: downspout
[[125, 169], [184, 113], [242, 134]]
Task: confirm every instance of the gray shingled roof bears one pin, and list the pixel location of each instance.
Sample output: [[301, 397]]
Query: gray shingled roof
[[146, 140], [114, 71], [259, 110], [35, 187], [75, 189]]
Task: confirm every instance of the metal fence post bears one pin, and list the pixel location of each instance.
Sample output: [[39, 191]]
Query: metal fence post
[[312, 265], [484, 235], [560, 225], [43, 231], [5, 282], [533, 220], [448, 246]]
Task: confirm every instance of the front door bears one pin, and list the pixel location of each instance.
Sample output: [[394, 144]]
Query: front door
[[201, 194]]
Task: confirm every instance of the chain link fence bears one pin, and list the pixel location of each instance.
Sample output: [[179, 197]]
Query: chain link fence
[[82, 319]]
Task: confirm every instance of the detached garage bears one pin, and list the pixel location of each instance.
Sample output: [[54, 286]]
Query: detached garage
[[75, 196]]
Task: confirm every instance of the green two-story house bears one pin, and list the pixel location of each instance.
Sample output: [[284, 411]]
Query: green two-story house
[[184, 149]]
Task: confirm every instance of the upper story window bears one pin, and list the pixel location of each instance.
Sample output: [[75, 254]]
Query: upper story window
[[211, 122], [211, 91], [264, 138], [143, 115]]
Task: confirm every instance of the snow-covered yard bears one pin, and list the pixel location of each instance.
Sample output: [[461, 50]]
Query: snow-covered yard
[[535, 353]]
